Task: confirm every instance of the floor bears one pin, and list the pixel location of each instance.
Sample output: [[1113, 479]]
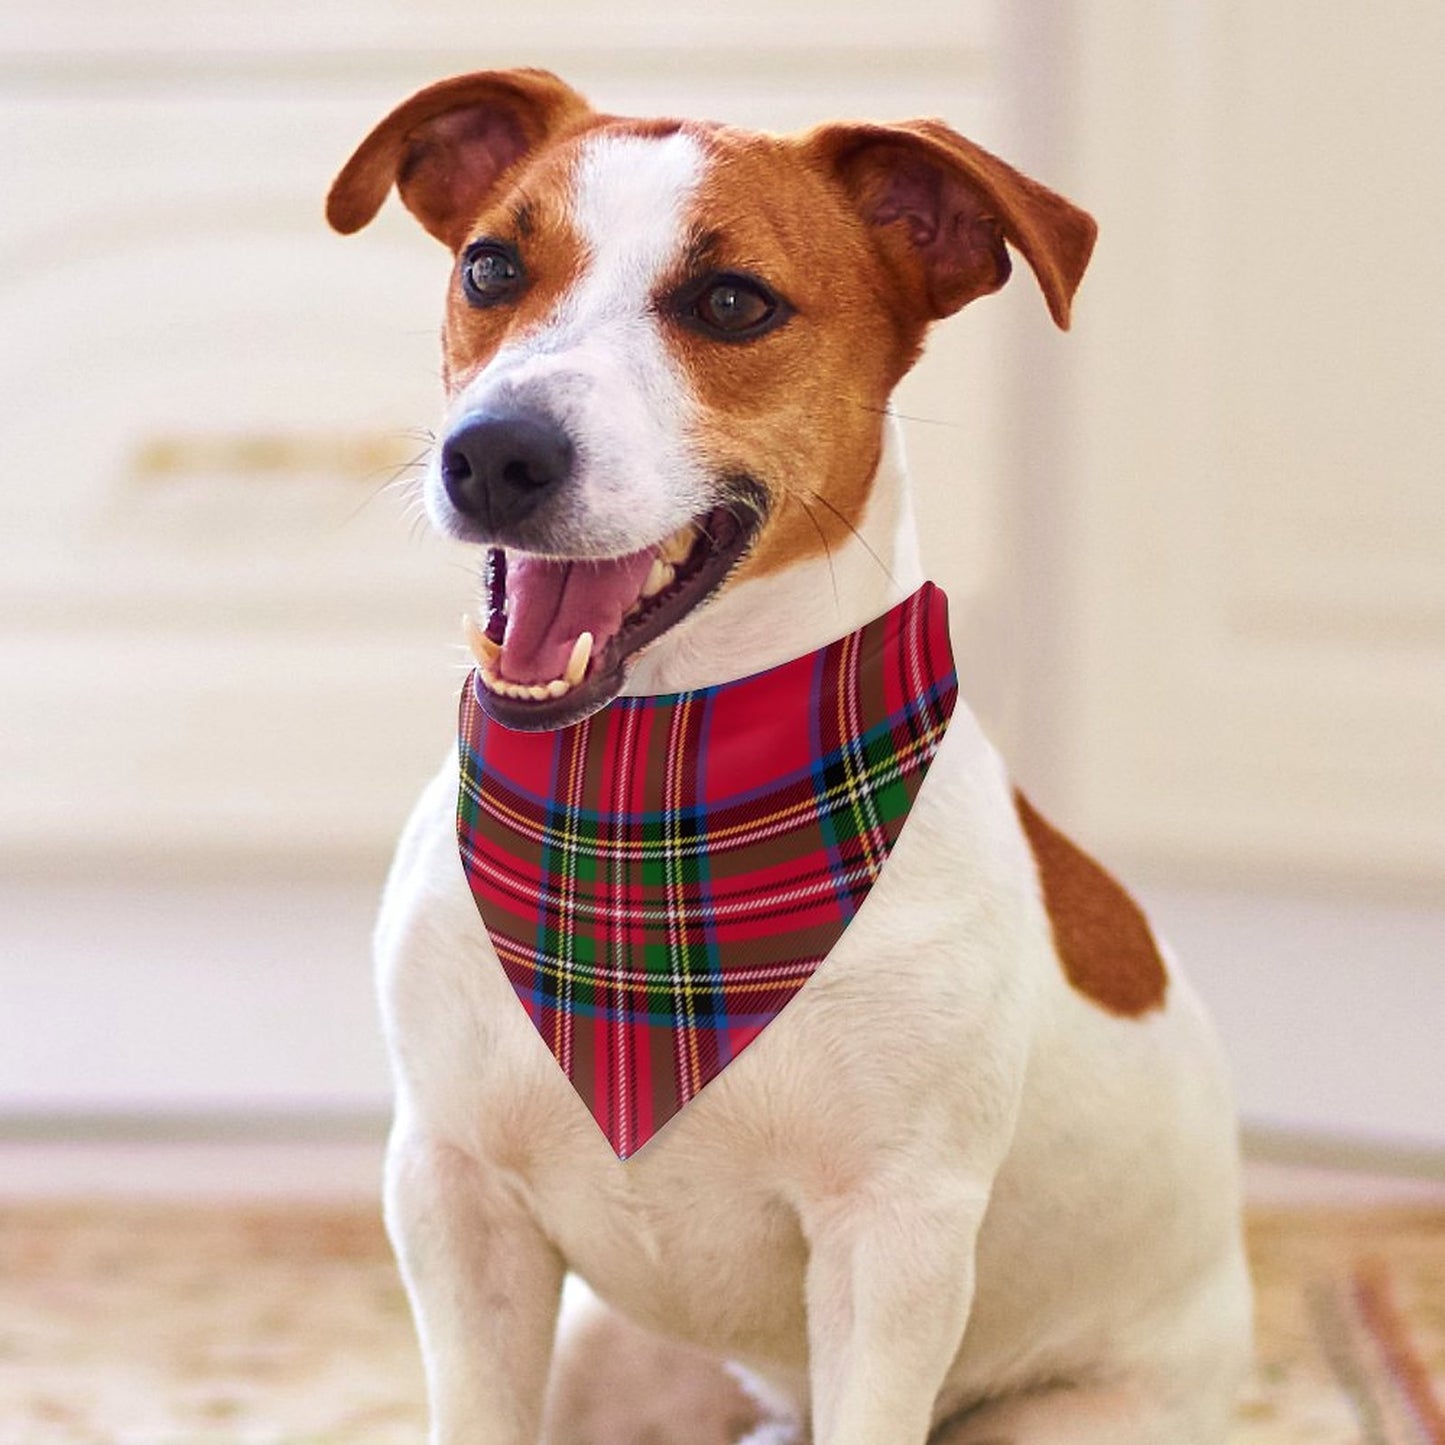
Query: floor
[[193, 1293]]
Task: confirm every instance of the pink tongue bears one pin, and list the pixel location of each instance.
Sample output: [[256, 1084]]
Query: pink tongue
[[549, 604]]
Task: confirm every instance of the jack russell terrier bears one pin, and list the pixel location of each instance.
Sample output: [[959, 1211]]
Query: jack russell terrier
[[888, 1096]]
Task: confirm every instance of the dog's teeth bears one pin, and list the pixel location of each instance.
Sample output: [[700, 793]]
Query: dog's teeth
[[482, 647], [535, 691], [660, 576], [501, 686], [576, 668], [679, 544]]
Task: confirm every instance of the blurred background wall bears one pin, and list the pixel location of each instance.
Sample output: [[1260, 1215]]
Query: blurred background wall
[[1196, 548]]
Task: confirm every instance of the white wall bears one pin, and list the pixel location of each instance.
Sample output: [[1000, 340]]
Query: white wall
[[201, 998], [1258, 569], [1330, 1007]]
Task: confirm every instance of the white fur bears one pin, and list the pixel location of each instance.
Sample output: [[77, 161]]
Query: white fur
[[942, 1181], [599, 365]]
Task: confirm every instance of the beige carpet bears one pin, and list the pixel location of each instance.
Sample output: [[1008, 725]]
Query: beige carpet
[[266, 1325]]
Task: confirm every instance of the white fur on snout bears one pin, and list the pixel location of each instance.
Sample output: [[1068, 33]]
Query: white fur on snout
[[600, 366]]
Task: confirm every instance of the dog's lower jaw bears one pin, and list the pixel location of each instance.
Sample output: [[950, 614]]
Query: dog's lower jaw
[[754, 624]]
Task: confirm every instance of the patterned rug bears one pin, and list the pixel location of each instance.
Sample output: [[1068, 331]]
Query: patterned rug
[[163, 1325], [1350, 1321]]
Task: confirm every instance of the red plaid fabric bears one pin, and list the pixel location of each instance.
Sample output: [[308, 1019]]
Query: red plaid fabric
[[660, 879]]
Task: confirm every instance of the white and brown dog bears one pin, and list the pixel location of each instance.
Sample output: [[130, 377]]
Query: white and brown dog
[[669, 349]]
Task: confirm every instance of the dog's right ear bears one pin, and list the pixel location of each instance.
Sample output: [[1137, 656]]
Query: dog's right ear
[[448, 146]]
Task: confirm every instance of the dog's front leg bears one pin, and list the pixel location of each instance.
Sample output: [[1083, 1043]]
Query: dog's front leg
[[889, 1288], [484, 1286]]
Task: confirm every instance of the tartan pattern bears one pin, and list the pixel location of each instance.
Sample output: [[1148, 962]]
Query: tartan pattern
[[660, 879]]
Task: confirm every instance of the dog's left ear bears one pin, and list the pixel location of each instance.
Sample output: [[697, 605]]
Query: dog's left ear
[[447, 148], [941, 209]]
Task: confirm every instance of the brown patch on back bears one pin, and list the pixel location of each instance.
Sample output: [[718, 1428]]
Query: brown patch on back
[[1101, 935]]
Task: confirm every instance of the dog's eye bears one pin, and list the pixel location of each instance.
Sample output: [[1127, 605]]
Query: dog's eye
[[491, 273], [735, 307]]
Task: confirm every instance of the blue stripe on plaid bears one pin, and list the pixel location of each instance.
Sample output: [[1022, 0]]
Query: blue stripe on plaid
[[826, 780]]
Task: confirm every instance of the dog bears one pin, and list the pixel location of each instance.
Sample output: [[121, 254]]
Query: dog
[[978, 1182]]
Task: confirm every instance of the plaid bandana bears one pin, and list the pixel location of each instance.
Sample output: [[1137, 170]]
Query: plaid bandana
[[660, 879]]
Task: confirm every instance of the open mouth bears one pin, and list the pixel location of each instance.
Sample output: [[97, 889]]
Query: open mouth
[[559, 631]]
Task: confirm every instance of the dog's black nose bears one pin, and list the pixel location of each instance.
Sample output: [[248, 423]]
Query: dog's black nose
[[496, 469]]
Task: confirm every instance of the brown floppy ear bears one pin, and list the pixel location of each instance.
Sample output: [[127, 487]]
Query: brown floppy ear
[[942, 209], [447, 147]]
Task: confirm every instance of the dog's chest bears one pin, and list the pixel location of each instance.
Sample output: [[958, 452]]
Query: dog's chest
[[703, 1225]]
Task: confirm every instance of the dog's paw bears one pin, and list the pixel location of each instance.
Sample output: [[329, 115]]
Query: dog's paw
[[776, 1432], [777, 1421], [614, 1383]]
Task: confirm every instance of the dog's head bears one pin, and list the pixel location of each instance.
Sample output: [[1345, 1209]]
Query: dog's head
[[669, 346]]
